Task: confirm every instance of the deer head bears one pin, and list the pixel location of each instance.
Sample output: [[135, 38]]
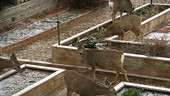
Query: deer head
[[15, 64], [80, 47], [101, 34]]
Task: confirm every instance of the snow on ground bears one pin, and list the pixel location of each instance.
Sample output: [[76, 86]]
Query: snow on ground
[[159, 36]]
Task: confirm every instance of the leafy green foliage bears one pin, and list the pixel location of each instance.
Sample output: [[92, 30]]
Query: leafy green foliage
[[161, 9], [145, 10], [90, 44], [132, 92]]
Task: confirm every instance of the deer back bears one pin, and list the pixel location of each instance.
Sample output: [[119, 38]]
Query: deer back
[[125, 5], [76, 82], [85, 87], [105, 58], [120, 5], [113, 29], [134, 20]]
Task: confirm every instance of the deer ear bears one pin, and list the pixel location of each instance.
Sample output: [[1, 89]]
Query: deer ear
[[98, 29], [80, 44], [104, 29], [13, 56]]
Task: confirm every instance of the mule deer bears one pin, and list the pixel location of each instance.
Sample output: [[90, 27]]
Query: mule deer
[[75, 82], [121, 6], [13, 63], [104, 59], [119, 27]]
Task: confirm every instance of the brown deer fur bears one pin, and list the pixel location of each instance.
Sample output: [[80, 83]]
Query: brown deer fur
[[113, 59], [119, 27], [121, 6], [83, 86], [12, 63]]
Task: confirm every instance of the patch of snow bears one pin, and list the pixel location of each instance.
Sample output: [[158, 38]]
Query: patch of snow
[[159, 36]]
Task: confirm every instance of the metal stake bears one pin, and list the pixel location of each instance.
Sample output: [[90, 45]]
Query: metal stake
[[58, 31], [151, 1]]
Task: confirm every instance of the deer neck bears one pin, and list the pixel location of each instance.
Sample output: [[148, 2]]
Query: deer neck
[[101, 90], [84, 55], [109, 32]]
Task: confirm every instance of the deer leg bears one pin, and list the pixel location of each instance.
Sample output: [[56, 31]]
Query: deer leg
[[142, 34], [121, 14], [122, 36], [113, 17], [1, 70], [137, 31], [115, 79], [125, 74], [119, 37], [69, 92], [93, 72], [136, 38]]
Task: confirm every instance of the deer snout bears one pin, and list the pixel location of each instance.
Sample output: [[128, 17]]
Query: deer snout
[[80, 53]]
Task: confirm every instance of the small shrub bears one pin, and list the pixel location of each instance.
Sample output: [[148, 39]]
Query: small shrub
[[158, 47], [136, 49], [132, 92], [90, 44], [161, 9], [143, 11]]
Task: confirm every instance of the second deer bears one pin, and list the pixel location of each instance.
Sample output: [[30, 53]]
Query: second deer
[[119, 27], [12, 63], [76, 82], [121, 6], [113, 59]]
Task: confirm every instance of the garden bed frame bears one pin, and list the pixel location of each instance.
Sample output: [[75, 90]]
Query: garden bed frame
[[134, 64], [141, 86], [26, 41], [48, 86]]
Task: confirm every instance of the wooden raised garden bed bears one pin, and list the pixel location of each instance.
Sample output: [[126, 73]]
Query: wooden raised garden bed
[[33, 80], [134, 64]]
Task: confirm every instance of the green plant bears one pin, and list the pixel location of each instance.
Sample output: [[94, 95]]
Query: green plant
[[90, 44], [144, 10], [161, 9], [132, 92]]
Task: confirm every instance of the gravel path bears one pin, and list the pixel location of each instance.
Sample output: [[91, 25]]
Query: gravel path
[[41, 49]]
